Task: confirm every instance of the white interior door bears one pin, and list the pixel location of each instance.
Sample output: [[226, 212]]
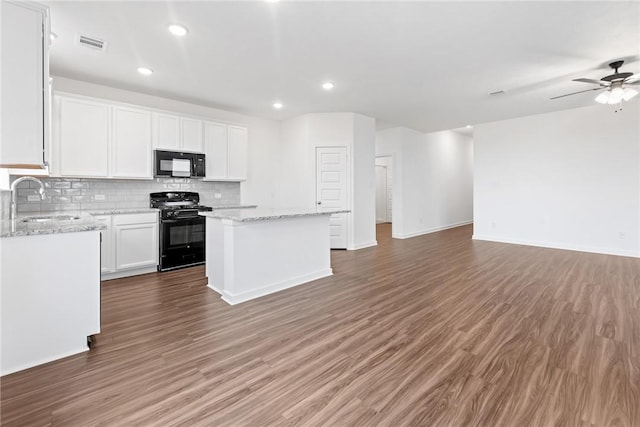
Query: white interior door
[[331, 190], [381, 193]]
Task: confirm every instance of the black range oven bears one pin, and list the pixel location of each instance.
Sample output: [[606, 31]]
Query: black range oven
[[182, 230]]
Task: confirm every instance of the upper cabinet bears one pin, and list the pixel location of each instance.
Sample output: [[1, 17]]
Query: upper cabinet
[[226, 152], [96, 138], [176, 133], [237, 152], [131, 146], [191, 134], [25, 84], [81, 138], [215, 135], [166, 131]]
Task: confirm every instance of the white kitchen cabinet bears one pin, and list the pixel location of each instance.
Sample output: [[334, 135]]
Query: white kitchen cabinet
[[50, 297], [106, 245], [191, 134], [136, 240], [166, 134], [82, 131], [177, 133], [216, 150], [131, 146], [237, 152], [226, 152], [25, 81]]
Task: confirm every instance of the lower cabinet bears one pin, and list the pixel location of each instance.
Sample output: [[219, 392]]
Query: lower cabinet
[[129, 244], [106, 244]]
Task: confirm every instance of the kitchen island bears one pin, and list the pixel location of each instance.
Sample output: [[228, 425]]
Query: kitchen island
[[256, 252], [50, 286]]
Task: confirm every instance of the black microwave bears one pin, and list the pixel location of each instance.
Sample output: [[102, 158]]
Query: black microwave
[[178, 165]]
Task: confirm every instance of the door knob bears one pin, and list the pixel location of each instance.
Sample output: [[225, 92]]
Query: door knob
[[319, 203]]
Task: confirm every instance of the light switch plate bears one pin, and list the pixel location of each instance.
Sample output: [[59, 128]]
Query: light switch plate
[[218, 195]]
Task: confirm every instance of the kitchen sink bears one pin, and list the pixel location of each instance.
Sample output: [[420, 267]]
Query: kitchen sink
[[50, 218]]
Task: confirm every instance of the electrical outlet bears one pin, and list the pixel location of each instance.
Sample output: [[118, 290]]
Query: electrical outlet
[[99, 197], [620, 234], [493, 225], [33, 198], [217, 195]]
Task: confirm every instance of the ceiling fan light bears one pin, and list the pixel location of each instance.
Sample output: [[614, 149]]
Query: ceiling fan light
[[603, 98], [629, 93], [615, 98]]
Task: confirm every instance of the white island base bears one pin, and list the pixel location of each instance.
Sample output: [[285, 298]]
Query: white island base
[[252, 256]]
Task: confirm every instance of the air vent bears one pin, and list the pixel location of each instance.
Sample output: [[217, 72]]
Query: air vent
[[498, 92], [91, 42]]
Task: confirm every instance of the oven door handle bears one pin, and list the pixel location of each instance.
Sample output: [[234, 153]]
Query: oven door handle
[[173, 221]]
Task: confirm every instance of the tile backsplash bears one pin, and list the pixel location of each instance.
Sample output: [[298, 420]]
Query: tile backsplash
[[74, 194]]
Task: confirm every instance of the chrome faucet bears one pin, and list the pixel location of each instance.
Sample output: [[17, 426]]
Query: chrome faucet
[[12, 214]]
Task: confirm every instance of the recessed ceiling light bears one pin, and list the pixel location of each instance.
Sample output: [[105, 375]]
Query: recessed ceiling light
[[272, 1], [177, 30], [52, 36], [277, 105], [145, 71], [468, 126], [328, 85]]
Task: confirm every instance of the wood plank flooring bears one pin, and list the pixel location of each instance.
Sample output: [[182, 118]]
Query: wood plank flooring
[[437, 330]]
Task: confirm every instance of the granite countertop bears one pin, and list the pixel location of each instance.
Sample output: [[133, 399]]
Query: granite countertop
[[264, 214], [234, 207], [16, 228], [120, 211]]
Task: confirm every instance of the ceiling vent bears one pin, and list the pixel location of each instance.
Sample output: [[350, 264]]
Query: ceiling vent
[[91, 42], [498, 92]]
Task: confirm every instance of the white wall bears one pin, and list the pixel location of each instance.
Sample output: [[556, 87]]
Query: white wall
[[433, 179], [569, 179], [364, 181], [300, 138], [297, 160], [263, 138]]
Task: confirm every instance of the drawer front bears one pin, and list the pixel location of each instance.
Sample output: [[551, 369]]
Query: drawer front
[[129, 219]]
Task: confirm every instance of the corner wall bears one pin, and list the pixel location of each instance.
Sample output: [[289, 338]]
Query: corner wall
[[433, 179], [567, 180], [300, 138]]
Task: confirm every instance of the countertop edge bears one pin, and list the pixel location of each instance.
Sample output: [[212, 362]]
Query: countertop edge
[[262, 216]]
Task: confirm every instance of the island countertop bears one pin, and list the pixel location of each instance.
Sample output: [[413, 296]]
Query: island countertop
[[266, 214], [17, 227]]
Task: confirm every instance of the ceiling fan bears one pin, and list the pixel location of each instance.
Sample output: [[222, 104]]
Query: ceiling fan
[[615, 87]]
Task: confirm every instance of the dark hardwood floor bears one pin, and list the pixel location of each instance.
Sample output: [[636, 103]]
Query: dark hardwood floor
[[437, 330]]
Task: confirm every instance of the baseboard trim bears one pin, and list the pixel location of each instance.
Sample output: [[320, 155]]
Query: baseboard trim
[[39, 362], [430, 230], [555, 245], [233, 299], [127, 273], [214, 288], [363, 245]]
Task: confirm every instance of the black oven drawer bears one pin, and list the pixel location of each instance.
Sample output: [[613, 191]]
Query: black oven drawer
[[181, 258]]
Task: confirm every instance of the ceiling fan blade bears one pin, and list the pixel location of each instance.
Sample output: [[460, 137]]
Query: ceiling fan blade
[[575, 93], [637, 82], [633, 80], [596, 82]]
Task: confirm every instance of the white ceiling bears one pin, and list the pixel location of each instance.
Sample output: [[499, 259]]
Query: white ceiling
[[424, 65]]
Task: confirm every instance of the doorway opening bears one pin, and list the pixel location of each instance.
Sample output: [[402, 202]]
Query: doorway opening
[[384, 191]]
